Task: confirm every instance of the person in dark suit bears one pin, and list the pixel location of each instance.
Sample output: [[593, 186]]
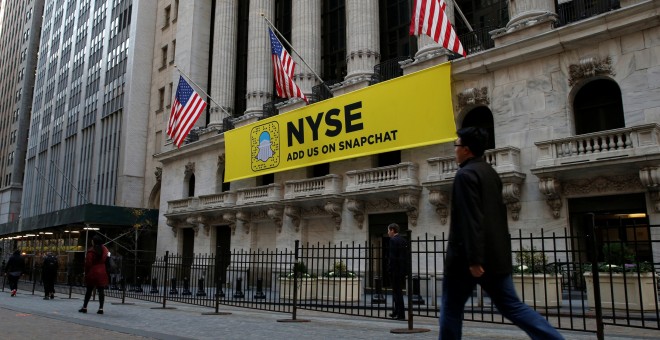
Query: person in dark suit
[[479, 249], [14, 269], [398, 269], [49, 274]]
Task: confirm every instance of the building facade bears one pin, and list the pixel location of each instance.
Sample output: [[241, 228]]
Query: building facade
[[86, 148], [20, 26], [569, 93]]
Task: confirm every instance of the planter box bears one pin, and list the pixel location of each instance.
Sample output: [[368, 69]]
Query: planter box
[[339, 289], [306, 288], [539, 290], [613, 291]]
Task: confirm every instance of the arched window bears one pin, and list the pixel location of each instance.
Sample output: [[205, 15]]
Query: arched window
[[191, 185], [481, 117], [598, 107]]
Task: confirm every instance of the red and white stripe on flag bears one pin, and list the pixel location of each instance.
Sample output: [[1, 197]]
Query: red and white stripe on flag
[[283, 67], [186, 110], [429, 18]]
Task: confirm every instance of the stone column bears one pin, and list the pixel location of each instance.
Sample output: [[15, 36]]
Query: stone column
[[528, 18], [192, 44], [362, 40], [306, 39], [223, 75], [259, 68]]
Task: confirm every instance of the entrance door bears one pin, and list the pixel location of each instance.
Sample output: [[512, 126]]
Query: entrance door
[[620, 220], [223, 251], [380, 244], [188, 251]]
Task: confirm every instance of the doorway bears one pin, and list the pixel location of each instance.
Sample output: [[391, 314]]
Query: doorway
[[223, 252], [618, 219], [380, 242]]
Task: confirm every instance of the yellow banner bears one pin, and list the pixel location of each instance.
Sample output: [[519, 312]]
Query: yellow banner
[[406, 112]]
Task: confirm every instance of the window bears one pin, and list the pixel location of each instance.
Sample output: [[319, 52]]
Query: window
[[176, 11], [166, 18], [163, 62], [173, 51], [598, 107], [169, 101], [161, 99], [158, 141]]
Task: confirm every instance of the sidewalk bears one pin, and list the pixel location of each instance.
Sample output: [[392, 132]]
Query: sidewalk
[[29, 316]]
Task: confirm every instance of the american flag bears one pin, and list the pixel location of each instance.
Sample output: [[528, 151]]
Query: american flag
[[429, 18], [186, 109], [283, 67]]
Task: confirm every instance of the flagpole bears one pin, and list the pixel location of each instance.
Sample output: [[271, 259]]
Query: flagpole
[[294, 51], [200, 89]]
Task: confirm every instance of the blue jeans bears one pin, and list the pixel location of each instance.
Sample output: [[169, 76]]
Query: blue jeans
[[457, 289]]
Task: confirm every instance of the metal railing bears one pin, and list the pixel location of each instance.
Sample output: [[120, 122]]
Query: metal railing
[[553, 273], [575, 10]]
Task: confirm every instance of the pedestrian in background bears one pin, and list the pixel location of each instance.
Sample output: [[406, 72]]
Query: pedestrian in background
[[49, 274], [96, 276], [14, 269], [398, 269], [479, 249]]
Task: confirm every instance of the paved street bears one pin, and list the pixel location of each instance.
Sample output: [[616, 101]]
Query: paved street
[[29, 316]]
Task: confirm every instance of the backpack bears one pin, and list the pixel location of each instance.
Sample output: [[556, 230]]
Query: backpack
[[110, 265]]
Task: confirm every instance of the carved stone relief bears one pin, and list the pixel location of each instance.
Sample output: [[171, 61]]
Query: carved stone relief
[[440, 199], [550, 187], [190, 169], [511, 196], [158, 173], [650, 178], [294, 214], [588, 68], [357, 208], [473, 96], [601, 185]]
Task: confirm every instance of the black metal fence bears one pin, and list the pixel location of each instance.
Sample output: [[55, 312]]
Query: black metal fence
[[574, 10], [561, 275]]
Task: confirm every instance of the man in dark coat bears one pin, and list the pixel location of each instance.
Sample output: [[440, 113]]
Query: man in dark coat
[[49, 274], [479, 250], [398, 269], [14, 269]]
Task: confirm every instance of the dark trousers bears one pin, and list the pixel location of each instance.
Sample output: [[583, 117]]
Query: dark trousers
[[456, 290], [397, 296], [88, 295], [49, 286], [13, 281]]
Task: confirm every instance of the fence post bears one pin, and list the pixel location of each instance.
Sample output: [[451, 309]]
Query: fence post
[[167, 255], [592, 253], [218, 286], [186, 287], [200, 287], [295, 288]]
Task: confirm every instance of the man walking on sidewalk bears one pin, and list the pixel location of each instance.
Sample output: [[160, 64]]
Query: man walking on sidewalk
[[479, 250]]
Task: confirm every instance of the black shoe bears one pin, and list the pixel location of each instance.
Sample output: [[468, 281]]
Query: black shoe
[[46, 298], [100, 311], [393, 316], [82, 310], [52, 296]]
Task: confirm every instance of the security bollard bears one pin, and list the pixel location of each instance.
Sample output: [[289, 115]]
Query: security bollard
[[378, 296], [173, 290], [260, 290], [186, 287], [200, 287], [154, 286], [138, 287], [219, 293], [416, 298], [238, 294]]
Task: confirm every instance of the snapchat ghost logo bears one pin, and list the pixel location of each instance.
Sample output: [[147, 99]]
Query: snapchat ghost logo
[[265, 146]]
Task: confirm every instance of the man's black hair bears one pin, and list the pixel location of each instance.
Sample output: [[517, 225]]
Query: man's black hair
[[475, 138]]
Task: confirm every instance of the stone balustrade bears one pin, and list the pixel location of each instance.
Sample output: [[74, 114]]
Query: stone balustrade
[[324, 185], [182, 205], [503, 160], [221, 200], [265, 193], [633, 141], [387, 176]]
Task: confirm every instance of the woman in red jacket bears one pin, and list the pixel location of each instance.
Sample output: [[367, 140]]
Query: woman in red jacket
[[95, 274]]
